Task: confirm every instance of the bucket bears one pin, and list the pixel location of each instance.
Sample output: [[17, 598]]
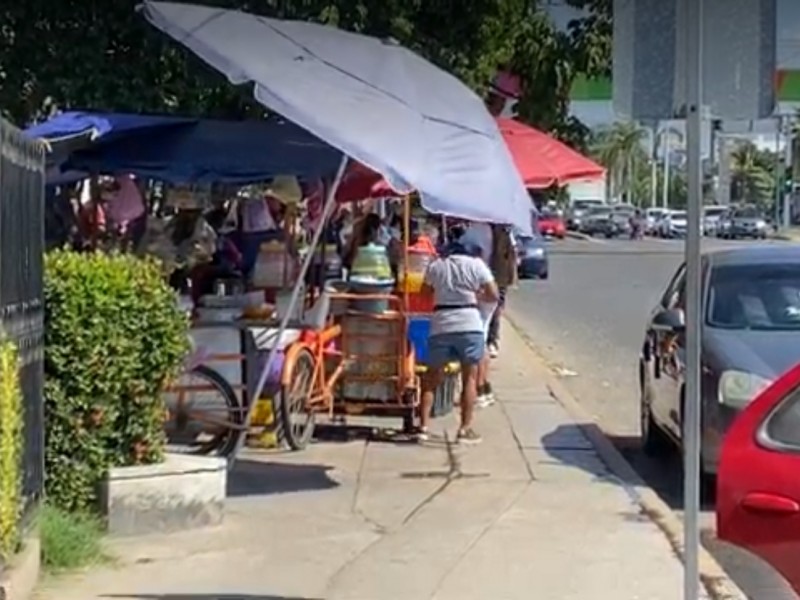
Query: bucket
[[338, 306], [373, 307]]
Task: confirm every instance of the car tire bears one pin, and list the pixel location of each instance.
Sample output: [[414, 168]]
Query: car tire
[[544, 275], [655, 442]]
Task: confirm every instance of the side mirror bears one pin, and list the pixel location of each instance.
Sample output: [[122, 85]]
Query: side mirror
[[669, 321]]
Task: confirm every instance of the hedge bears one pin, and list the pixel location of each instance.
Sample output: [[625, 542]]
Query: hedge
[[114, 337]]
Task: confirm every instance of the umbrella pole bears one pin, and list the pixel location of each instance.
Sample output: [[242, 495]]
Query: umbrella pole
[[327, 211]]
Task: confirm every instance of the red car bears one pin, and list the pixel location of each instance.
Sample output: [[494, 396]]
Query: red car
[[551, 224], [758, 483]]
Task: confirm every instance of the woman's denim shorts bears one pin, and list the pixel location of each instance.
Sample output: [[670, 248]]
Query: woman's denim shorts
[[465, 347]]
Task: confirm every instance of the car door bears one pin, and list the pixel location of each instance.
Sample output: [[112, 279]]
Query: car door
[[758, 483], [667, 358]]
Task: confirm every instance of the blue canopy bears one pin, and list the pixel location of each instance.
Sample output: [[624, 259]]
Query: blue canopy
[[372, 99], [183, 150]]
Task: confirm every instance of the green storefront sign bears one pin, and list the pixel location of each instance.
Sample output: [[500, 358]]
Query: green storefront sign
[[600, 89]]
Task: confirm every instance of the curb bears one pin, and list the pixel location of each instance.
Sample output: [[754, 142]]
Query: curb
[[716, 581], [575, 235]]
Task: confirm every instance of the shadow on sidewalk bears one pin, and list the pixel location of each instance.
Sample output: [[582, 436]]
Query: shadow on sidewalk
[[203, 597], [262, 478]]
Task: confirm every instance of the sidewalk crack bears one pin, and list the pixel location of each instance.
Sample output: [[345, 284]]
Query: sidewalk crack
[[517, 441], [478, 538]]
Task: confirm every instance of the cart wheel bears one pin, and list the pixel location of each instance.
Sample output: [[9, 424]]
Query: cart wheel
[[298, 421], [205, 417]]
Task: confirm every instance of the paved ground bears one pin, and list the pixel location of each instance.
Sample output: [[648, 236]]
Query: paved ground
[[588, 322], [530, 513]]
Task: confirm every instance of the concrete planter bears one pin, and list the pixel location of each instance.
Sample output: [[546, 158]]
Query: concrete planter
[[181, 493]]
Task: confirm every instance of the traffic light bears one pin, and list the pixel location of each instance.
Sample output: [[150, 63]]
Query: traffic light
[[788, 181]]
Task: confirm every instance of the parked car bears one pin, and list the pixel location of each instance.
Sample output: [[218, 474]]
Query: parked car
[[532, 259], [747, 222], [652, 217], [758, 488], [551, 224], [711, 219], [673, 224], [724, 224], [578, 210], [751, 334], [619, 223], [594, 220]]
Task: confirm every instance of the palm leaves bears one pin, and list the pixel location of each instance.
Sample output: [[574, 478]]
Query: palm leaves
[[620, 150], [752, 174]]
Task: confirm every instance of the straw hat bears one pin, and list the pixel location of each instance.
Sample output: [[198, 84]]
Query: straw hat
[[286, 189]]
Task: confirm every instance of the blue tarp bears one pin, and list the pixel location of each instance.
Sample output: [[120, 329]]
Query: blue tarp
[[182, 150]]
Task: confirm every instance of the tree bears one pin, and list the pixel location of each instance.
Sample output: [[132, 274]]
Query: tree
[[620, 150], [79, 54], [752, 175]]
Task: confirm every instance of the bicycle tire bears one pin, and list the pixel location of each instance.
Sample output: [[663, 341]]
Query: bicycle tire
[[223, 444], [290, 398]]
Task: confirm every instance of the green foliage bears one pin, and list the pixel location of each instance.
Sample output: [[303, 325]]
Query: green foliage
[[114, 337], [77, 54], [753, 175], [70, 541], [11, 424]]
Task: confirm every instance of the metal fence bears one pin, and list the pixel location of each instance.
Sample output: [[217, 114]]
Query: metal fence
[[21, 288]]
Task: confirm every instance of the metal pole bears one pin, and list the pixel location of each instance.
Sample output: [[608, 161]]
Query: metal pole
[[667, 147], [778, 174], [327, 211], [691, 424], [654, 167], [788, 151]]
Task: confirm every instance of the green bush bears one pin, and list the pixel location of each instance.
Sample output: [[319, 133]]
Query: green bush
[[11, 423], [114, 337]]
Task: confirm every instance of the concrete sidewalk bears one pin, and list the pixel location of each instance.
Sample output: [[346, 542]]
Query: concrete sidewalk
[[531, 513]]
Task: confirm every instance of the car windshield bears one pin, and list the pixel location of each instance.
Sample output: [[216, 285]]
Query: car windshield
[[527, 241], [548, 213], [584, 204], [755, 296], [715, 211], [600, 210], [678, 214], [747, 212]]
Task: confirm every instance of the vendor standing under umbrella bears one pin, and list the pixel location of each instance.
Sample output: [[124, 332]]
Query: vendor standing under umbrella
[[458, 281]]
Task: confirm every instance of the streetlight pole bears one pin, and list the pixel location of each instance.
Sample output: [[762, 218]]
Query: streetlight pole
[[667, 159], [691, 422]]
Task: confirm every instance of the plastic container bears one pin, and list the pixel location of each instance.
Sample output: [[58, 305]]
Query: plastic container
[[413, 275], [369, 305], [419, 329], [371, 262], [274, 266]]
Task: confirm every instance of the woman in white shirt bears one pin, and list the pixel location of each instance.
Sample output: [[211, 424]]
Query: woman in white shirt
[[459, 281]]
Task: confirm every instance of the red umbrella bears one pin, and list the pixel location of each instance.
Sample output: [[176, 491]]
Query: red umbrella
[[542, 161]]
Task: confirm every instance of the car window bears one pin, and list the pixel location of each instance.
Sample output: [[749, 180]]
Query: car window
[[782, 427], [763, 297], [675, 290]]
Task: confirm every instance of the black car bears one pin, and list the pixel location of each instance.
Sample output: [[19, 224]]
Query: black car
[[750, 335], [532, 261]]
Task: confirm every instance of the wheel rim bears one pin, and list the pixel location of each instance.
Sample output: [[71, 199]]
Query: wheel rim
[[296, 397], [199, 419]]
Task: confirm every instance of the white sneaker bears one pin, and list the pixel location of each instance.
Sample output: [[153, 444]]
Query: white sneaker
[[485, 400], [493, 350]]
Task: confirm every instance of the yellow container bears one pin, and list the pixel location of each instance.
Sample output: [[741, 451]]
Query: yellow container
[[263, 413], [411, 282]]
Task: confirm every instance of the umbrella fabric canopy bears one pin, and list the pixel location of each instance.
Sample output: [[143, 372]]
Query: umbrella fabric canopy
[[542, 160], [187, 150], [374, 100]]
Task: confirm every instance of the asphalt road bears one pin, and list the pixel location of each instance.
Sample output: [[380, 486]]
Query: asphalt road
[[587, 321]]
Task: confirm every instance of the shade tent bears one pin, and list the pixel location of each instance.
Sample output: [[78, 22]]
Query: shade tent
[[542, 160], [184, 149], [373, 100]]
